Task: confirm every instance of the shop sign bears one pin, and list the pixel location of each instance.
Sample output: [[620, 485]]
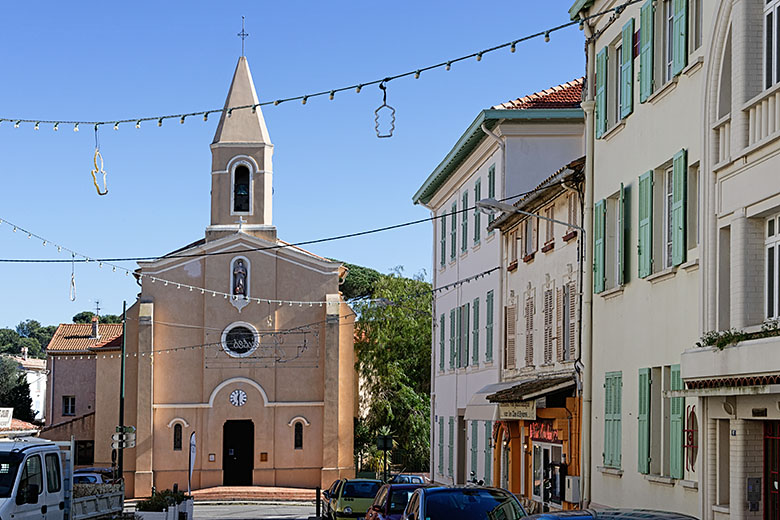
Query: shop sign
[[6, 414], [543, 431], [523, 410]]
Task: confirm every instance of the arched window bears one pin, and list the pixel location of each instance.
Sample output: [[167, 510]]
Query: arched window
[[241, 189], [299, 435], [177, 437]]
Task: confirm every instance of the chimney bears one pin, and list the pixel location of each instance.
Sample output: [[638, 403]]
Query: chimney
[[95, 334], [24, 353]]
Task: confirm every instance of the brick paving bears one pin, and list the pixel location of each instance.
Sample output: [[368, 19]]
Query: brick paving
[[253, 493]]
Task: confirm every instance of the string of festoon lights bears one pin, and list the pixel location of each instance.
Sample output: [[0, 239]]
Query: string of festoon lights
[[331, 93]]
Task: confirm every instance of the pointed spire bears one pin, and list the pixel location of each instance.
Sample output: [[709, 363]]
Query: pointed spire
[[242, 126]]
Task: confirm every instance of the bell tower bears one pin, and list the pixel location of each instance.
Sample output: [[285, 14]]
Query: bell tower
[[241, 167]]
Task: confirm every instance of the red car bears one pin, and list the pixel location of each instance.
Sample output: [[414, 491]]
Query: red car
[[390, 501]]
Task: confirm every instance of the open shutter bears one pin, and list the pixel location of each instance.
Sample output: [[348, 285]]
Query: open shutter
[[601, 92], [451, 446], [676, 426], [599, 245], [441, 445], [441, 342], [645, 236], [627, 71], [459, 329], [572, 319], [646, 51], [488, 452], [453, 336], [474, 444], [643, 422], [621, 237], [465, 223], [510, 319], [477, 212], [454, 231], [559, 337], [475, 334], [465, 310], [679, 197], [489, 327], [443, 241], [613, 382], [529, 332], [680, 35]]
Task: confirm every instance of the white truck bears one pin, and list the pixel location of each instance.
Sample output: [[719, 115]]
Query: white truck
[[36, 482]]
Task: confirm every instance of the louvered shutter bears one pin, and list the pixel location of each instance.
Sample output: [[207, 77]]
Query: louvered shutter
[[572, 319], [477, 213], [463, 354], [475, 333], [599, 245], [621, 237], [643, 422], [453, 336], [627, 71], [529, 332], [679, 188], [646, 51], [474, 444], [676, 426], [601, 93], [612, 419], [491, 191], [441, 445], [454, 231], [441, 342], [465, 223], [488, 452], [645, 235], [680, 36], [548, 326], [443, 241], [451, 447], [459, 332], [510, 324], [489, 327], [559, 337]]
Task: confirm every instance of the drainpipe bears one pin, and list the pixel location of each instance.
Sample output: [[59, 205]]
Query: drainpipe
[[586, 331], [432, 411]]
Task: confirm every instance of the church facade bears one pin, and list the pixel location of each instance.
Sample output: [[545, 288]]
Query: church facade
[[256, 359]]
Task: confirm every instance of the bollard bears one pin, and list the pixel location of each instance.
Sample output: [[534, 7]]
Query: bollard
[[319, 498]]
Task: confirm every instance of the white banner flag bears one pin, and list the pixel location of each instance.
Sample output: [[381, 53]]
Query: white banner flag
[[193, 452]]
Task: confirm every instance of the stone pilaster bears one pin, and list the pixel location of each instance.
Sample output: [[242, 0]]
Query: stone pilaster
[[144, 451], [746, 271]]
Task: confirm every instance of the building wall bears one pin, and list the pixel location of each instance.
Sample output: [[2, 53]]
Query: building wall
[[68, 376]]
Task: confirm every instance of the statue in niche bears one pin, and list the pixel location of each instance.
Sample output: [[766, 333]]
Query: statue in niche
[[239, 278]]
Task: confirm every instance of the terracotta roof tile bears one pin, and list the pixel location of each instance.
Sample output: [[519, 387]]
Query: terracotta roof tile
[[18, 425], [566, 95], [77, 337]]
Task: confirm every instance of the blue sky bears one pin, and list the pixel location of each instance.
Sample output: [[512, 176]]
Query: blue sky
[[115, 60]]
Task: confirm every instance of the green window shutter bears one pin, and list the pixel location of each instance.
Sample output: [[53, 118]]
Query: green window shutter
[[475, 333], [646, 51], [676, 426], [451, 446], [601, 92], [643, 422], [453, 231], [459, 341], [443, 241], [622, 225], [465, 223], [488, 452], [441, 445], [599, 245], [477, 214], [645, 236], [680, 36], [474, 444], [679, 196], [613, 382], [491, 190], [627, 71], [441, 342], [489, 327], [466, 333], [453, 335]]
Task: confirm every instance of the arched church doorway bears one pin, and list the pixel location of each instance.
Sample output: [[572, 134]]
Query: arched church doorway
[[238, 450]]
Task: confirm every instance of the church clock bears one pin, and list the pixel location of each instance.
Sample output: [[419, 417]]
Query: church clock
[[238, 398]]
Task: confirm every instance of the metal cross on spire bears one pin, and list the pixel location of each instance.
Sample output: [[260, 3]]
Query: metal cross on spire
[[243, 35]]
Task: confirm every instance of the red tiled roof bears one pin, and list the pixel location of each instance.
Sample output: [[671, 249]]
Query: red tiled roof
[[566, 95], [77, 337], [18, 425]]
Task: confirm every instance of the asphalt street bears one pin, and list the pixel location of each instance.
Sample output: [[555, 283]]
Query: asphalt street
[[263, 511]]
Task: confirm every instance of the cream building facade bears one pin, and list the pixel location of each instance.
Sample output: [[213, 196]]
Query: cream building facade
[[268, 387]]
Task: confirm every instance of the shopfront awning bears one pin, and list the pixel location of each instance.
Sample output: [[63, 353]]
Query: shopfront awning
[[479, 408], [532, 389]]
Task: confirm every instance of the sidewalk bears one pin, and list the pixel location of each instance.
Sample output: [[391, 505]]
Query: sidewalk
[[254, 494]]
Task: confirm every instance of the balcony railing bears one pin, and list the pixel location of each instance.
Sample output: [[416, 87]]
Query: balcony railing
[[763, 115], [723, 134]]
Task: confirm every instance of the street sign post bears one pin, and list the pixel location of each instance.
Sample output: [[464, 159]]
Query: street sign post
[[384, 443], [124, 438]]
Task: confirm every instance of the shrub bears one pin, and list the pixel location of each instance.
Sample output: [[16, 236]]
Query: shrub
[[160, 500]]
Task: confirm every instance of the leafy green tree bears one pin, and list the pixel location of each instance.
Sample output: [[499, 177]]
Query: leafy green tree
[[14, 390], [393, 351], [86, 317], [360, 281]]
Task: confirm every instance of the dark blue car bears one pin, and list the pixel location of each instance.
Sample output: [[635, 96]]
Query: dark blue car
[[613, 514]]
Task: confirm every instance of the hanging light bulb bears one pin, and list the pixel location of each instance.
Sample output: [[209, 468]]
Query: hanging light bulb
[[547, 36], [16, 125], [113, 269], [230, 112], [449, 65], [116, 126], [357, 89], [100, 265], [76, 127], [332, 94], [56, 126], [37, 124], [182, 119], [138, 124], [303, 101], [276, 103], [513, 47], [159, 122], [205, 116], [479, 56], [29, 235], [59, 249], [417, 75], [254, 109]]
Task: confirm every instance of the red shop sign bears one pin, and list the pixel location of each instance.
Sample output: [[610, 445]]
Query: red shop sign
[[543, 431]]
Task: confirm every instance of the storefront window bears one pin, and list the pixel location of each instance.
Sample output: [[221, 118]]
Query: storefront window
[[548, 473]]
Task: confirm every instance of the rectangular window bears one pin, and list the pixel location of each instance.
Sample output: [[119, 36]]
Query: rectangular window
[[771, 42], [475, 334], [510, 327], [660, 422], [601, 92], [85, 453], [772, 274], [549, 237], [443, 241], [488, 452], [489, 327], [441, 342], [692, 217], [617, 83], [645, 233], [613, 389], [528, 313], [694, 29], [599, 246], [572, 211], [477, 213], [512, 246], [646, 58], [491, 190], [613, 227], [668, 231], [529, 237], [567, 320], [668, 54], [464, 223], [625, 64], [53, 475], [453, 231], [68, 405]]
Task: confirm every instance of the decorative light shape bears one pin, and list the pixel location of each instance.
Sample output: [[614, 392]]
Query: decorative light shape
[[230, 112], [59, 249], [254, 109], [205, 116], [116, 126], [16, 125], [357, 89], [37, 124], [275, 103], [76, 127], [44, 243], [479, 56], [513, 47]]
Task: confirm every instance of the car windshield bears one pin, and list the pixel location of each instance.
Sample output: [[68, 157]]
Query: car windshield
[[9, 465], [360, 489], [472, 504], [398, 500]]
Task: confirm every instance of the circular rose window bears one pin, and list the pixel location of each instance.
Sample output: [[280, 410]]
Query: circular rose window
[[240, 340]]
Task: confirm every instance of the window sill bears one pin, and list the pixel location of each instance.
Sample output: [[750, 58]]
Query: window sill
[[724, 509], [616, 128], [691, 265], [612, 293], [693, 67], [512, 265], [660, 276], [690, 484], [464, 253], [548, 247], [529, 258], [570, 235], [475, 247], [656, 96], [658, 479], [617, 472]]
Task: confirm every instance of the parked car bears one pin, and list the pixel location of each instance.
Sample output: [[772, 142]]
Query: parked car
[[391, 501], [328, 496], [406, 479], [612, 514], [352, 498], [462, 503]]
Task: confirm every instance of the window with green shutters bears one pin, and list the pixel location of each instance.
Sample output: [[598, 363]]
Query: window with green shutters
[[488, 452], [453, 231], [443, 241], [623, 224], [491, 190], [453, 336], [627, 71], [475, 333], [464, 223], [477, 214], [489, 327], [601, 92], [646, 36], [441, 445], [451, 447], [474, 444], [680, 36], [679, 214], [463, 336], [599, 246], [613, 390], [645, 232], [441, 342], [676, 417], [643, 422]]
